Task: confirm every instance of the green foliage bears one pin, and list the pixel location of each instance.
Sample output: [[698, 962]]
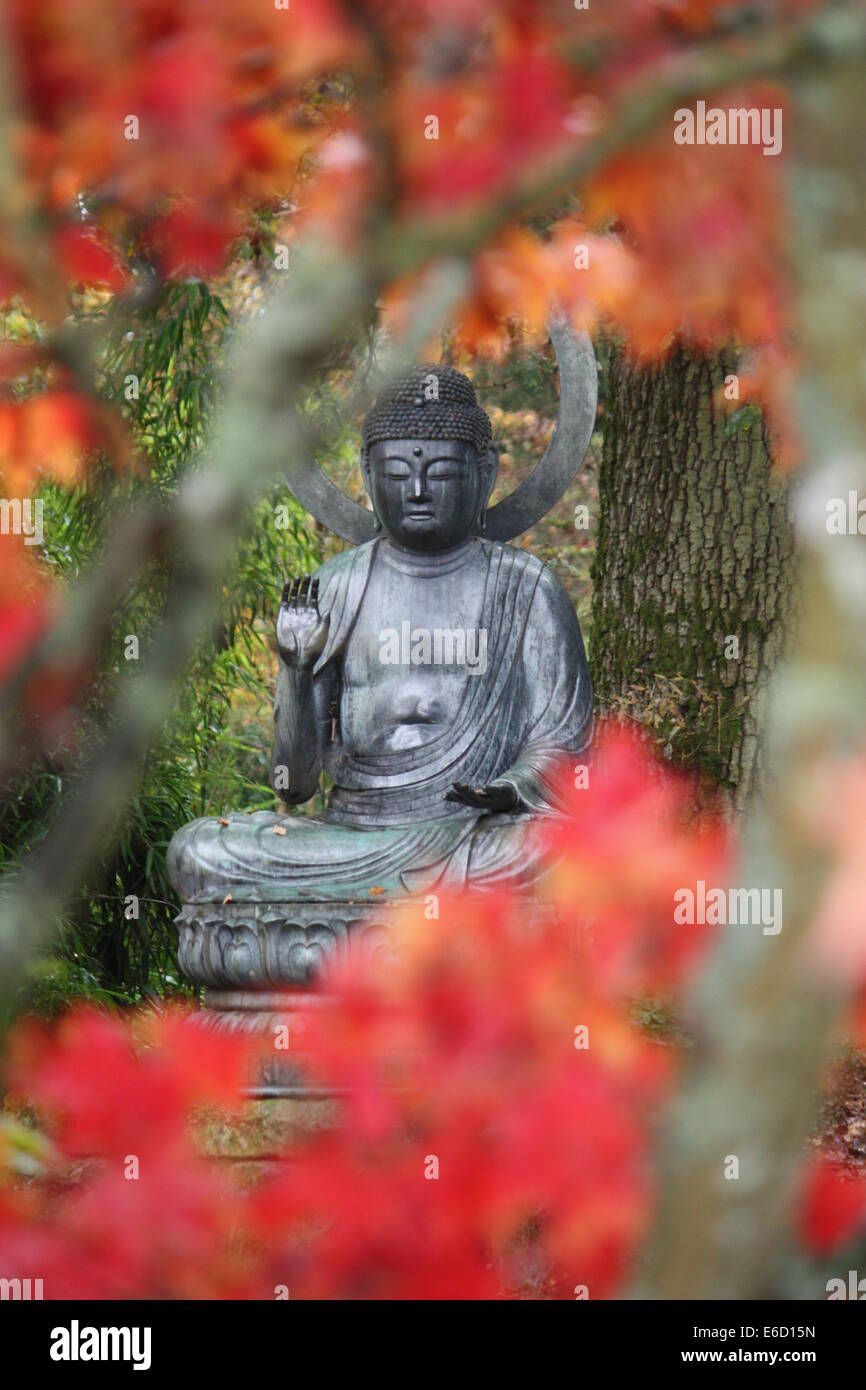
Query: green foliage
[[161, 367], [743, 419], [524, 376]]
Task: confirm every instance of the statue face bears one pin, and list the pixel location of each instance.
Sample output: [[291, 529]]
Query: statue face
[[427, 492]]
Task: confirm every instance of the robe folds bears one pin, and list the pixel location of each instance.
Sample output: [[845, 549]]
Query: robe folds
[[388, 824]]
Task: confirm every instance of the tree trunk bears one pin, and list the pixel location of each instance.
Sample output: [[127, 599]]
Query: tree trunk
[[694, 571], [766, 1008]]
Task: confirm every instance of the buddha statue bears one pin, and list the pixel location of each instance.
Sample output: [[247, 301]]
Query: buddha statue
[[436, 675]]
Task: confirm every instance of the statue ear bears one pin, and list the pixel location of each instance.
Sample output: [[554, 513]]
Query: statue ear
[[365, 472], [489, 467], [489, 471]]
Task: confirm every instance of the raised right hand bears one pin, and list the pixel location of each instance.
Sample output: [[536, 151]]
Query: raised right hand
[[301, 630]]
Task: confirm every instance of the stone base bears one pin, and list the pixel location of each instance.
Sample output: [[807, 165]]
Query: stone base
[[258, 962], [278, 1022], [267, 946], [264, 1134]]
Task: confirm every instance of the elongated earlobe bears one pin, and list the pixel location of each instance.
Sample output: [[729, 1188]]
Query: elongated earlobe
[[365, 470], [489, 470]]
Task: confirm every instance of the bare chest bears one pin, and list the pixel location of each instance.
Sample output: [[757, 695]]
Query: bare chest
[[415, 644]]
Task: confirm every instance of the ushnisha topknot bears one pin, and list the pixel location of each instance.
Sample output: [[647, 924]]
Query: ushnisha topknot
[[431, 401]]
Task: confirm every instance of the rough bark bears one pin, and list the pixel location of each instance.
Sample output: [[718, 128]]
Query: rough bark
[[766, 1006], [695, 548]]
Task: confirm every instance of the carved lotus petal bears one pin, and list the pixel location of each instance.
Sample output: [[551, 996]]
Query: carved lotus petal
[[240, 954]]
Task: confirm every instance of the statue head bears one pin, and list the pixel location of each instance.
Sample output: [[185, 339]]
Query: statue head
[[428, 458]]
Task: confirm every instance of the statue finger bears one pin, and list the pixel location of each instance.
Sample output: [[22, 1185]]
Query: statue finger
[[314, 594], [468, 795], [293, 596], [479, 795], [286, 591]]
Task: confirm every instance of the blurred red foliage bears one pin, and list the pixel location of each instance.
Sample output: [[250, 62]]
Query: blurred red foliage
[[495, 1136], [495, 1133], [155, 130], [832, 1206], [150, 136]]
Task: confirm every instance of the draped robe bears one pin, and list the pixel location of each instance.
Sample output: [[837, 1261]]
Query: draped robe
[[388, 825]]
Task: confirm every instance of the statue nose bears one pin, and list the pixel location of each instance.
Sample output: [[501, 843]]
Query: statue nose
[[420, 488]]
